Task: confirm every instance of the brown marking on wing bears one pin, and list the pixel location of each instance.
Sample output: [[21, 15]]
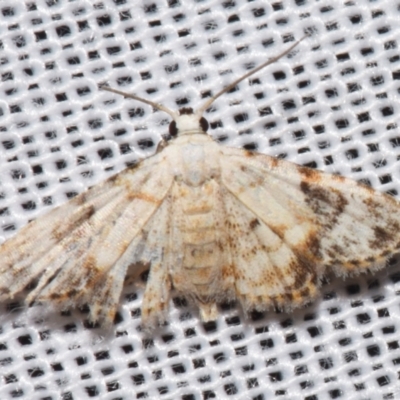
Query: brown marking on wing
[[302, 268], [92, 273], [18, 273], [5, 290], [381, 237], [144, 196], [269, 276], [306, 294], [118, 178], [63, 297], [312, 175], [254, 223], [373, 204], [109, 316], [325, 195], [357, 265], [386, 253], [335, 250], [302, 294], [71, 224], [339, 178], [289, 298], [80, 199], [274, 162], [279, 230], [313, 245], [369, 189], [354, 262], [249, 153], [255, 182], [72, 293], [91, 277], [318, 197]]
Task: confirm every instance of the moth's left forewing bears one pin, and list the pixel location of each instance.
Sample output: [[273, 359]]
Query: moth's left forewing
[[333, 221], [79, 252]]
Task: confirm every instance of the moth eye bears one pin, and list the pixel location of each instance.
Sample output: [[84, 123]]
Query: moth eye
[[204, 124], [173, 131]]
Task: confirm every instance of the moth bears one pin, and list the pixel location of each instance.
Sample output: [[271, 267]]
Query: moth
[[214, 223]]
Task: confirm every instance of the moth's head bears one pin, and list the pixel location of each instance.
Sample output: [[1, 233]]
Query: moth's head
[[187, 122]]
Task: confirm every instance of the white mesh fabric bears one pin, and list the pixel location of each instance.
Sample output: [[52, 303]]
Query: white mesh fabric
[[332, 104]]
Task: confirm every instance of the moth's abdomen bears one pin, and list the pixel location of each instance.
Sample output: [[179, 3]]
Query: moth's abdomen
[[200, 229]]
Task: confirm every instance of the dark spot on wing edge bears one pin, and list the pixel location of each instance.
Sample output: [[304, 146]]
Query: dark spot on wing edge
[[254, 223]]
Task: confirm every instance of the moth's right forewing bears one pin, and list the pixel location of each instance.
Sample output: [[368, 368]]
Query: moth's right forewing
[[339, 213]]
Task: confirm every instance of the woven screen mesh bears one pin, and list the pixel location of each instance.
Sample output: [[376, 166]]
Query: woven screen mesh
[[332, 104]]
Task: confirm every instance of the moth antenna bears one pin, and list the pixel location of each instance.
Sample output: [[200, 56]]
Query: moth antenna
[[211, 100], [133, 96]]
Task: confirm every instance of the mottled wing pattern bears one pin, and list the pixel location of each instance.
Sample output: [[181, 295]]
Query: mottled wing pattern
[[267, 271], [79, 252], [289, 224], [157, 251]]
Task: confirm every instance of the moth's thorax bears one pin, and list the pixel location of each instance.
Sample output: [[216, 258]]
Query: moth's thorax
[[198, 138], [193, 159], [188, 124]]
